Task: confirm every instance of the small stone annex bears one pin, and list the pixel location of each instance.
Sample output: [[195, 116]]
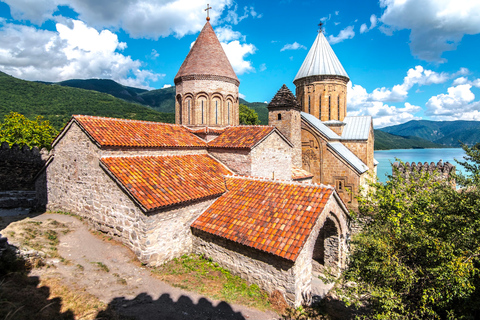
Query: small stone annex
[[267, 202]]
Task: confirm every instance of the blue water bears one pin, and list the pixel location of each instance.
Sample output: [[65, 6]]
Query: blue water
[[386, 157]]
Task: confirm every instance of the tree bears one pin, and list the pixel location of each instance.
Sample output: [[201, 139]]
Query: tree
[[15, 128], [418, 258], [248, 115]]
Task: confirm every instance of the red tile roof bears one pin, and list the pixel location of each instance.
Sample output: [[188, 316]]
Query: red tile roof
[[207, 57], [160, 181], [134, 133], [208, 130], [244, 137], [270, 216], [299, 173]]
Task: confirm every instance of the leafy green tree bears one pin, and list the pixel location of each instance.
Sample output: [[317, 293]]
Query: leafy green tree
[[17, 129], [247, 115], [418, 257]]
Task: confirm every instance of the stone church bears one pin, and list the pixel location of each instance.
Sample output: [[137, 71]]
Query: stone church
[[268, 203]]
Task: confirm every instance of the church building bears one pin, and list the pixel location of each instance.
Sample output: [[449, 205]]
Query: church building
[[268, 202]]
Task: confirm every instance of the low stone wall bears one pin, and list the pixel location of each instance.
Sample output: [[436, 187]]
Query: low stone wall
[[18, 166], [267, 271]]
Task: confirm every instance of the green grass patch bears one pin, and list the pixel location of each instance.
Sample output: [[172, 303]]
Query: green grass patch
[[197, 273], [101, 266]]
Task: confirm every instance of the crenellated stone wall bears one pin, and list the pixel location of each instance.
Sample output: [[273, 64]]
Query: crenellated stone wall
[[445, 170]]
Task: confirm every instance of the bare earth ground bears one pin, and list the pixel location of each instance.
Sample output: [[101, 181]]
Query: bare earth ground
[[110, 272]]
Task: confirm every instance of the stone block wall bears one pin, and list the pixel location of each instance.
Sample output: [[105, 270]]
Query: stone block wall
[[18, 166], [288, 122], [237, 160], [76, 183], [267, 271], [272, 159]]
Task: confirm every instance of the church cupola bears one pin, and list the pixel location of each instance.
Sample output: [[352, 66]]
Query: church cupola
[[206, 85], [284, 114], [321, 83]]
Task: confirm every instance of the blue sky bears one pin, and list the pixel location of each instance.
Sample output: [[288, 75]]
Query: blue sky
[[407, 59]]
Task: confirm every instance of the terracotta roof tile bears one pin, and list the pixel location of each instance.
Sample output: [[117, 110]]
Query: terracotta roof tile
[[245, 137], [266, 215], [160, 181], [207, 57], [299, 173], [135, 133]]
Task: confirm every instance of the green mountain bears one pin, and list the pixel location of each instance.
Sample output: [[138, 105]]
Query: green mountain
[[260, 108], [386, 141], [442, 132], [57, 103]]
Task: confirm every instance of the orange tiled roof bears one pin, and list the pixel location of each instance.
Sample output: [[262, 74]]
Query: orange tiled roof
[[134, 133], [241, 137], [269, 216], [160, 181], [299, 173]]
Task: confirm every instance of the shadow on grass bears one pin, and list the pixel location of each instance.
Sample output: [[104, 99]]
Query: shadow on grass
[[144, 307]]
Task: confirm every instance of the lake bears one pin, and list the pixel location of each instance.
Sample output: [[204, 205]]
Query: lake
[[386, 157]]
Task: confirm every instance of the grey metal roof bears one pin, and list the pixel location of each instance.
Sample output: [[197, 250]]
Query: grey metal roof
[[317, 124], [321, 60], [375, 162], [348, 156], [356, 128]]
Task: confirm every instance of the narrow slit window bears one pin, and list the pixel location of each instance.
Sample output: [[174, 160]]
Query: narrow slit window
[[309, 104], [279, 116], [338, 107], [202, 111], [189, 111], [216, 112], [329, 108], [228, 112]]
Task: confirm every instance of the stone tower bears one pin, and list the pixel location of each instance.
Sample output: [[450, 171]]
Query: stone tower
[[284, 114], [206, 85], [321, 83]]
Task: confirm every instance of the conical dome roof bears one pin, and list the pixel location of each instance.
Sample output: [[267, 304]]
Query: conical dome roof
[[321, 60], [207, 57], [283, 99]]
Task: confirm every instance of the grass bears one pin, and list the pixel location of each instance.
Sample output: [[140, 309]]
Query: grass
[[198, 274], [101, 266]]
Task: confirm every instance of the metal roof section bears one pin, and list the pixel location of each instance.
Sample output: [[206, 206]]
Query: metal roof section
[[321, 60], [375, 162], [317, 124], [356, 128], [348, 156]]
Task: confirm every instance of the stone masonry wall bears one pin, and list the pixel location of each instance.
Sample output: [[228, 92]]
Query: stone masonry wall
[[237, 160], [272, 158], [290, 126], [18, 166], [76, 183], [267, 271]]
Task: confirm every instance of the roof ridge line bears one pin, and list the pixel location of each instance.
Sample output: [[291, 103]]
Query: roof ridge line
[[154, 156], [289, 182], [127, 120]]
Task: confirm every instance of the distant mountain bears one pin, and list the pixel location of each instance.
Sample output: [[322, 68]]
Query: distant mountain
[[260, 108], [386, 141], [442, 132], [57, 103]]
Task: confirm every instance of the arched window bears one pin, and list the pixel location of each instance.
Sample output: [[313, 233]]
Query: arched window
[[279, 116], [216, 111], [228, 112], [189, 111], [202, 111]]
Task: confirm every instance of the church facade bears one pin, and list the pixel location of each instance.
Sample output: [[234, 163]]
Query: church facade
[[242, 195]]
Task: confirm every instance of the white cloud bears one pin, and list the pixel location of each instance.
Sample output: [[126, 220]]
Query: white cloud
[[139, 18], [293, 46], [436, 25], [236, 53], [233, 17], [241, 95], [373, 24], [457, 104], [78, 52], [263, 67], [226, 33], [415, 76], [346, 33], [165, 86], [360, 103]]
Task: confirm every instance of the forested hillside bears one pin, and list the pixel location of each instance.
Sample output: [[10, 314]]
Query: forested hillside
[[57, 103], [386, 141], [442, 132]]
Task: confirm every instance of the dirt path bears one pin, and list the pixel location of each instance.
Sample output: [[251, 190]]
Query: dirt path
[[109, 271]]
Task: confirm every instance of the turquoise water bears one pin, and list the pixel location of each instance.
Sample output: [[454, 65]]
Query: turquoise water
[[386, 157]]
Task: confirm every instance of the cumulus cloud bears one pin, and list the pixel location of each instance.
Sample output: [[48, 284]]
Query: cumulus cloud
[[140, 18], [436, 25], [234, 18], [415, 76], [71, 52], [360, 103], [373, 23], [236, 53], [345, 34], [457, 104], [293, 46], [226, 33]]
